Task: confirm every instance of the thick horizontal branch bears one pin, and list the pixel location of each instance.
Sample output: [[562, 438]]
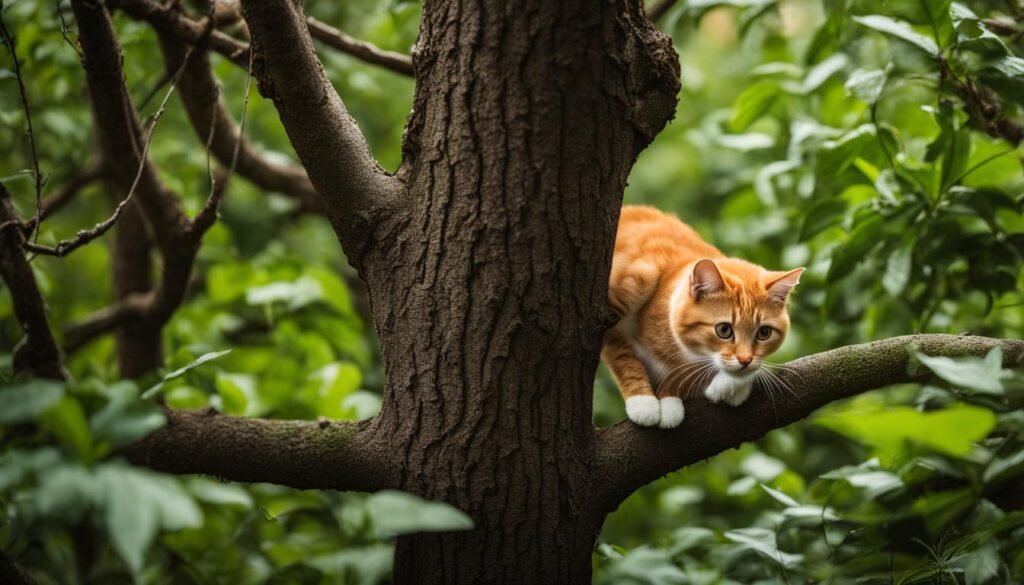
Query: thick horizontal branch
[[326, 138], [629, 456], [298, 454]]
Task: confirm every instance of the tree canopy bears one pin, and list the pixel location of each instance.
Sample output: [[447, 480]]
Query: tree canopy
[[875, 142]]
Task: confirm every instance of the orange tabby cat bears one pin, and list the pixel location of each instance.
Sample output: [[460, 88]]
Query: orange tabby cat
[[688, 316]]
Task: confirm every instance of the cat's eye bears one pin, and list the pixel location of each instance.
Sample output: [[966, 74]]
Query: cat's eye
[[724, 330], [764, 332]]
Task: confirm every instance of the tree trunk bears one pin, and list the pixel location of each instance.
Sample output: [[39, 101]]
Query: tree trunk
[[489, 288]]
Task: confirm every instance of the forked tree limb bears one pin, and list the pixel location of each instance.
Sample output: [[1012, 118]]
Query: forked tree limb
[[299, 454], [354, 188], [629, 456], [169, 20], [213, 122]]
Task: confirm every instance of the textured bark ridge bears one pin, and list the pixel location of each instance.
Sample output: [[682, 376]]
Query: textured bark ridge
[[490, 302]]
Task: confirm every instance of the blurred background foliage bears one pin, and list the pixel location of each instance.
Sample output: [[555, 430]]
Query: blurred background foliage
[[859, 138]]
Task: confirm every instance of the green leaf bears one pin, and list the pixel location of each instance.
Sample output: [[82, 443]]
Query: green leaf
[[866, 84], [889, 429], [126, 418], [940, 509], [780, 497], [206, 357], [982, 564], [900, 30], [66, 420], [754, 102], [764, 542], [366, 565], [821, 72], [847, 255], [971, 373], [897, 271], [1003, 468], [15, 465], [219, 493], [236, 391], [643, 566], [746, 142], [24, 402], [392, 513], [822, 215], [137, 505], [835, 156]]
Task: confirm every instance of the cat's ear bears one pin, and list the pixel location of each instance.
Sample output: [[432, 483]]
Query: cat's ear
[[779, 284], [706, 279]]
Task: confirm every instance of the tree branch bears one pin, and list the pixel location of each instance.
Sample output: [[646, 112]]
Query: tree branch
[[629, 456], [326, 138], [38, 353], [212, 122], [362, 50], [300, 454], [659, 8], [66, 192]]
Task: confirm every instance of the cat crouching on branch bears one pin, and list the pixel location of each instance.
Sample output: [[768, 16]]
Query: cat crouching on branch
[[690, 318]]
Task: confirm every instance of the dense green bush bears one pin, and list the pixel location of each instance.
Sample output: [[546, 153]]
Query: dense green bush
[[874, 142]]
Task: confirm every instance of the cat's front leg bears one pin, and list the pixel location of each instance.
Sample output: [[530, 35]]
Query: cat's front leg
[[642, 406], [729, 389]]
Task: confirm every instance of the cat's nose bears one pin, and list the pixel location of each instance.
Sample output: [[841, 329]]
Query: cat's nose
[[745, 361]]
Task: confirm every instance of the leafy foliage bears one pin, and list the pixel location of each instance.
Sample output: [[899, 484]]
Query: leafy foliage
[[863, 139]]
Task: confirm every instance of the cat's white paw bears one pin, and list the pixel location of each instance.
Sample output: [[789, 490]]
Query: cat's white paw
[[671, 412], [730, 390], [643, 410]]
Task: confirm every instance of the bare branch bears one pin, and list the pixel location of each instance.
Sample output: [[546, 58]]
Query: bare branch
[[83, 237], [629, 456], [362, 50], [37, 354], [299, 454], [118, 126], [61, 196], [212, 121], [659, 8], [169, 20], [326, 138], [36, 174], [11, 573]]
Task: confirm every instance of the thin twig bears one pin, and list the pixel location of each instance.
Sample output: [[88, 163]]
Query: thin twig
[[83, 237], [208, 214], [54, 201], [64, 30], [9, 41]]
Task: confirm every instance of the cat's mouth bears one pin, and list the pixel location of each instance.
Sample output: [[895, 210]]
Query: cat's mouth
[[737, 371]]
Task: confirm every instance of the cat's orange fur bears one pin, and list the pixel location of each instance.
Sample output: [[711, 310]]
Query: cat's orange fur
[[673, 292]]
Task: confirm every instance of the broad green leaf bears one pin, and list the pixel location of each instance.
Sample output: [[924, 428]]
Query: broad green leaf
[[24, 402], [940, 509], [138, 504], [897, 271], [835, 156], [762, 467], [393, 513], [983, 564], [971, 373], [746, 142], [219, 493], [16, 464], [206, 357], [863, 239], [644, 565], [764, 542], [754, 102], [821, 72], [1004, 467], [126, 418], [66, 420], [900, 30], [889, 429], [780, 497], [866, 84], [237, 391], [822, 215], [366, 565]]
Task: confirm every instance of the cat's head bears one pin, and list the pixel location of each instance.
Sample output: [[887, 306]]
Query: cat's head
[[732, 312]]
